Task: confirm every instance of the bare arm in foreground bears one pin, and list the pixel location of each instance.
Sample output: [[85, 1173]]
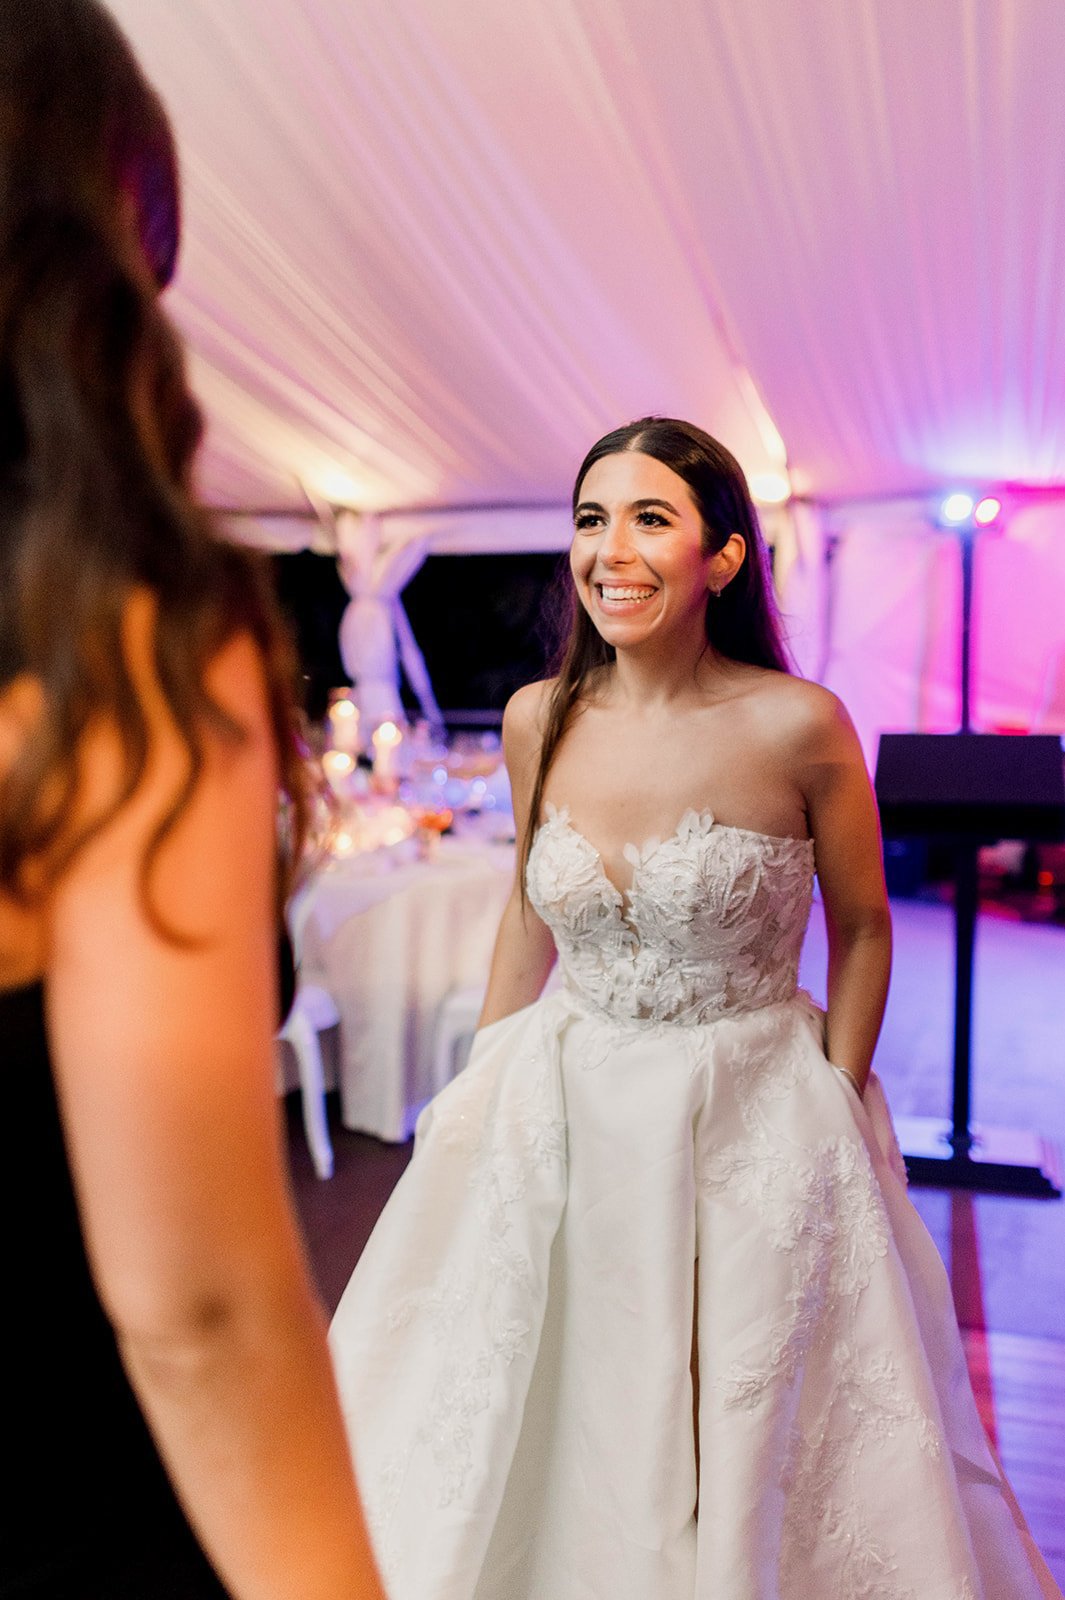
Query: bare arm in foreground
[[164, 1067]]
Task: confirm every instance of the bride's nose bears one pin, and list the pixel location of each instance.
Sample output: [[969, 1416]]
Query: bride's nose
[[615, 547]]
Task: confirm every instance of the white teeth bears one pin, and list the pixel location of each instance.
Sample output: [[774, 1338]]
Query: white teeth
[[610, 593]]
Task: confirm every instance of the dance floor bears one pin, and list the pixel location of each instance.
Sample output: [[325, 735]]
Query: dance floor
[[1006, 1257]]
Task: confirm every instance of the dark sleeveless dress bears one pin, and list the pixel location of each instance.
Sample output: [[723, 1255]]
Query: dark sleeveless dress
[[89, 1513]]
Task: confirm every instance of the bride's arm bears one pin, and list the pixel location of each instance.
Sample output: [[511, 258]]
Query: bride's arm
[[524, 949], [845, 828]]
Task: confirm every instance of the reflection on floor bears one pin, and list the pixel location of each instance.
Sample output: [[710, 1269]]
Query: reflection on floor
[[1006, 1257]]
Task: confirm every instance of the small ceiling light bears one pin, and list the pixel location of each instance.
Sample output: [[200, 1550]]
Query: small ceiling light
[[986, 511], [956, 508], [337, 487], [770, 488]]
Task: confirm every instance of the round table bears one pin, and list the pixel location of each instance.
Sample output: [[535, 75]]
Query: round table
[[389, 935]]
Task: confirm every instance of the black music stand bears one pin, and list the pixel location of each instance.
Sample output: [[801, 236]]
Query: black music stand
[[972, 789]]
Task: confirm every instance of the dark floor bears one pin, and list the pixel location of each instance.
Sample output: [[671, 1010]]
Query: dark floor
[[1006, 1256], [338, 1215]]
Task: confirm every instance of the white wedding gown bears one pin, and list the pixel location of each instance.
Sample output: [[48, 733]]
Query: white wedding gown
[[665, 1133]]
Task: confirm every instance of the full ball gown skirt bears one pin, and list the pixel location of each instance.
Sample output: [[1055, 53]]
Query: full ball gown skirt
[[660, 1145]]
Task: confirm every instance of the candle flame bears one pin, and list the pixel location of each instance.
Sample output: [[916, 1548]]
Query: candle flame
[[338, 761]]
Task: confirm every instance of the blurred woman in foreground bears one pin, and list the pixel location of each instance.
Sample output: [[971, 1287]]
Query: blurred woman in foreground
[[160, 1313]]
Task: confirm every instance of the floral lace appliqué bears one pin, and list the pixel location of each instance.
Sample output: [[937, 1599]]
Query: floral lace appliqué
[[506, 1152], [712, 924]]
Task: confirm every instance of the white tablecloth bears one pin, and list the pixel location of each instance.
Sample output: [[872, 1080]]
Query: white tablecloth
[[388, 937]]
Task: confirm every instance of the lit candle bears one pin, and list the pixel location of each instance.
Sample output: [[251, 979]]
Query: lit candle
[[386, 742], [344, 724], [338, 766]]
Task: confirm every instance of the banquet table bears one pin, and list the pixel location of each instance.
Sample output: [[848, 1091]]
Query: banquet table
[[389, 935]]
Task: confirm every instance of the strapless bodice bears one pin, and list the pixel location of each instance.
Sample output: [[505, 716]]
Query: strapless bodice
[[712, 924]]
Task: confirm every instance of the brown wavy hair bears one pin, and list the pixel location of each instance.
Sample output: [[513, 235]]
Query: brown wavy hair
[[98, 431], [743, 623]]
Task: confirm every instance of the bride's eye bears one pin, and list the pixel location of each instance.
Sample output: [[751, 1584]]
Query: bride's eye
[[585, 520], [652, 519]]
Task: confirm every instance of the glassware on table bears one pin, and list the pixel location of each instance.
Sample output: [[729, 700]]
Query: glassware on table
[[430, 822]]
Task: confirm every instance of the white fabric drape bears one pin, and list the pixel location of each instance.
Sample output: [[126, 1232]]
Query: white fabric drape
[[433, 249], [425, 259], [375, 571], [879, 189]]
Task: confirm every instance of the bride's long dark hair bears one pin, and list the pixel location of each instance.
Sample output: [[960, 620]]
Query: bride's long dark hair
[[97, 436], [743, 623]]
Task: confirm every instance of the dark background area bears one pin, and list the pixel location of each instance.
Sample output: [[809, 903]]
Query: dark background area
[[486, 624], [313, 599]]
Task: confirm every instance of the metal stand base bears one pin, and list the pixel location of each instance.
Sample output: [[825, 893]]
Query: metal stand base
[[999, 1160]]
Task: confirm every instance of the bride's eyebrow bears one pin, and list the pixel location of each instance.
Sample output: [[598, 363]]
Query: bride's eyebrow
[[636, 505]]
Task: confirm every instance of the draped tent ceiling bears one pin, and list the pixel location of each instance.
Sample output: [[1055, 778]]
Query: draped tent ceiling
[[435, 247]]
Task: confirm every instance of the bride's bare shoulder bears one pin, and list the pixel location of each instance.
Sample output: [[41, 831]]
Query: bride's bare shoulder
[[524, 721], [796, 710], [526, 713]]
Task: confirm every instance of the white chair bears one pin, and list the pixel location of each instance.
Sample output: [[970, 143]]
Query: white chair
[[313, 1010], [456, 1024]]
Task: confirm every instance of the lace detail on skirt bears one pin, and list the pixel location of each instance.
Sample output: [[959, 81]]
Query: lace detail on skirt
[[474, 1312], [822, 1209]]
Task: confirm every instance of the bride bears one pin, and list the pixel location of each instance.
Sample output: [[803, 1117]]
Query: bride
[[650, 1315]]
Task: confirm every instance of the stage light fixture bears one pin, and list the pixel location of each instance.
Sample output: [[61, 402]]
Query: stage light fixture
[[956, 508], [986, 511]]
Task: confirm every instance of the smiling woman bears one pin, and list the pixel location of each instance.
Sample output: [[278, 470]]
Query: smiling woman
[[661, 502], [659, 1218], [642, 556]]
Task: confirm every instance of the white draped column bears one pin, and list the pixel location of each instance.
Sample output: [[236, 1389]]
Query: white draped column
[[375, 634]]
